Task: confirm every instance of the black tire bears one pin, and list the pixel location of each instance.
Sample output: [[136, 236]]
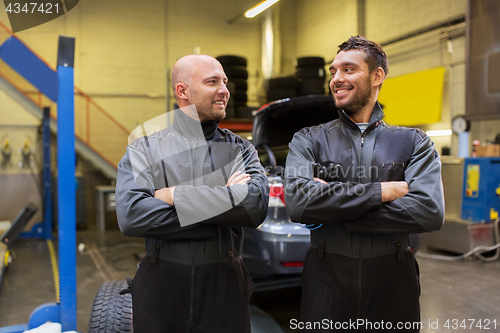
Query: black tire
[[238, 105], [231, 87], [274, 94], [311, 87], [111, 312], [239, 96], [230, 112], [245, 112], [233, 72], [310, 72], [232, 60], [241, 84], [310, 62], [283, 82]]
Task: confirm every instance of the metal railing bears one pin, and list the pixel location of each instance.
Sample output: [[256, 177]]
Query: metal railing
[[94, 126]]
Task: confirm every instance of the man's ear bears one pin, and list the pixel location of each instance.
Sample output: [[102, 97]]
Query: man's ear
[[378, 76], [181, 90]]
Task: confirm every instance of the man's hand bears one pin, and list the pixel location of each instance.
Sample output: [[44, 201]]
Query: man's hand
[[319, 180], [238, 178], [393, 190], [166, 194]]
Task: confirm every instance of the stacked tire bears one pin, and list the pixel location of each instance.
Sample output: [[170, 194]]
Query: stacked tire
[[310, 72], [235, 68], [281, 87]]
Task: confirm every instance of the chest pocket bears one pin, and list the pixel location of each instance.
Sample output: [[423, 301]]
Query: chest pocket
[[394, 171], [392, 154]]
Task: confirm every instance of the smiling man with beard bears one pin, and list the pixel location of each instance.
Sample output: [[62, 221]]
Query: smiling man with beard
[[359, 268]]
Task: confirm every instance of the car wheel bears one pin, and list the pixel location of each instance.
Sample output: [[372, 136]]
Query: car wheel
[[111, 312]]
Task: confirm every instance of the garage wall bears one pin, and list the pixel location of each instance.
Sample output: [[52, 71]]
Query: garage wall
[[388, 19], [324, 24], [17, 183], [287, 10]]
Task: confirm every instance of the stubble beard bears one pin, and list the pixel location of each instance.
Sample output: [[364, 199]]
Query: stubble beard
[[207, 111], [359, 100]]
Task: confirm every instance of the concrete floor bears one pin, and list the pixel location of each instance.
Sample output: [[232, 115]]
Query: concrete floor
[[450, 290]]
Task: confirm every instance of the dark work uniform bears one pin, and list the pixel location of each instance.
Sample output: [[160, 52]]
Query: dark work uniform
[[360, 267], [193, 278]]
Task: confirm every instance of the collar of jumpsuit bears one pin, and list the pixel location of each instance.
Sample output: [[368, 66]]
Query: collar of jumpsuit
[[376, 116], [190, 127]]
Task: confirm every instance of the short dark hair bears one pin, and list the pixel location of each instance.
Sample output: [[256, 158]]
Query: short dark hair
[[375, 55]]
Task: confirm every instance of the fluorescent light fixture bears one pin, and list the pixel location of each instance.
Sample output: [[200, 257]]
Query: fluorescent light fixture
[[439, 133], [259, 8]]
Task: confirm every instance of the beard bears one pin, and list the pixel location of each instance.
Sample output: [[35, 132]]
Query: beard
[[359, 100], [206, 111]]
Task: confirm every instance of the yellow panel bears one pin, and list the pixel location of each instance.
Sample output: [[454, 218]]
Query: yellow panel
[[413, 99]]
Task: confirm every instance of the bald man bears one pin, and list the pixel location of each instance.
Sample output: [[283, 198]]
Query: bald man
[[189, 189]]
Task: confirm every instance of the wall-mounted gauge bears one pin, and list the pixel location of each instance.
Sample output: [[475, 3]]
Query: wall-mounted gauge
[[459, 125]]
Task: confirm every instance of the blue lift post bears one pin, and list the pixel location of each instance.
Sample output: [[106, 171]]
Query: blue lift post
[[43, 229], [47, 177], [66, 185], [64, 312]]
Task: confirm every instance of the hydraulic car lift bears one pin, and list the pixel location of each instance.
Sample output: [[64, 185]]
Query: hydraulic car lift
[[17, 55]]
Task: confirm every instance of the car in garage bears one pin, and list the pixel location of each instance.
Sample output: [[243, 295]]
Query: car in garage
[[274, 252]]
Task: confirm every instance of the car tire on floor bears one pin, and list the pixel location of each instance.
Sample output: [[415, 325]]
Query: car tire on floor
[[111, 312]]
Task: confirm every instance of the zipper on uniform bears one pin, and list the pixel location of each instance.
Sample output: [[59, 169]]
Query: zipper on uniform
[[360, 160]]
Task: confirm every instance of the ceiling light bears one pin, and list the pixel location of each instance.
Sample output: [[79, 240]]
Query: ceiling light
[[259, 8], [439, 133]]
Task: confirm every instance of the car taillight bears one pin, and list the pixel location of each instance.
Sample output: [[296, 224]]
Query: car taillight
[[276, 191], [293, 264]]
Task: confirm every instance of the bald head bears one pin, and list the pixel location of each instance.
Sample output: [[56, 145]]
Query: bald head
[[186, 67], [200, 80]]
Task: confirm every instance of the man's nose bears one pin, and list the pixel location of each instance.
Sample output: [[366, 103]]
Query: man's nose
[[337, 78], [223, 89]]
